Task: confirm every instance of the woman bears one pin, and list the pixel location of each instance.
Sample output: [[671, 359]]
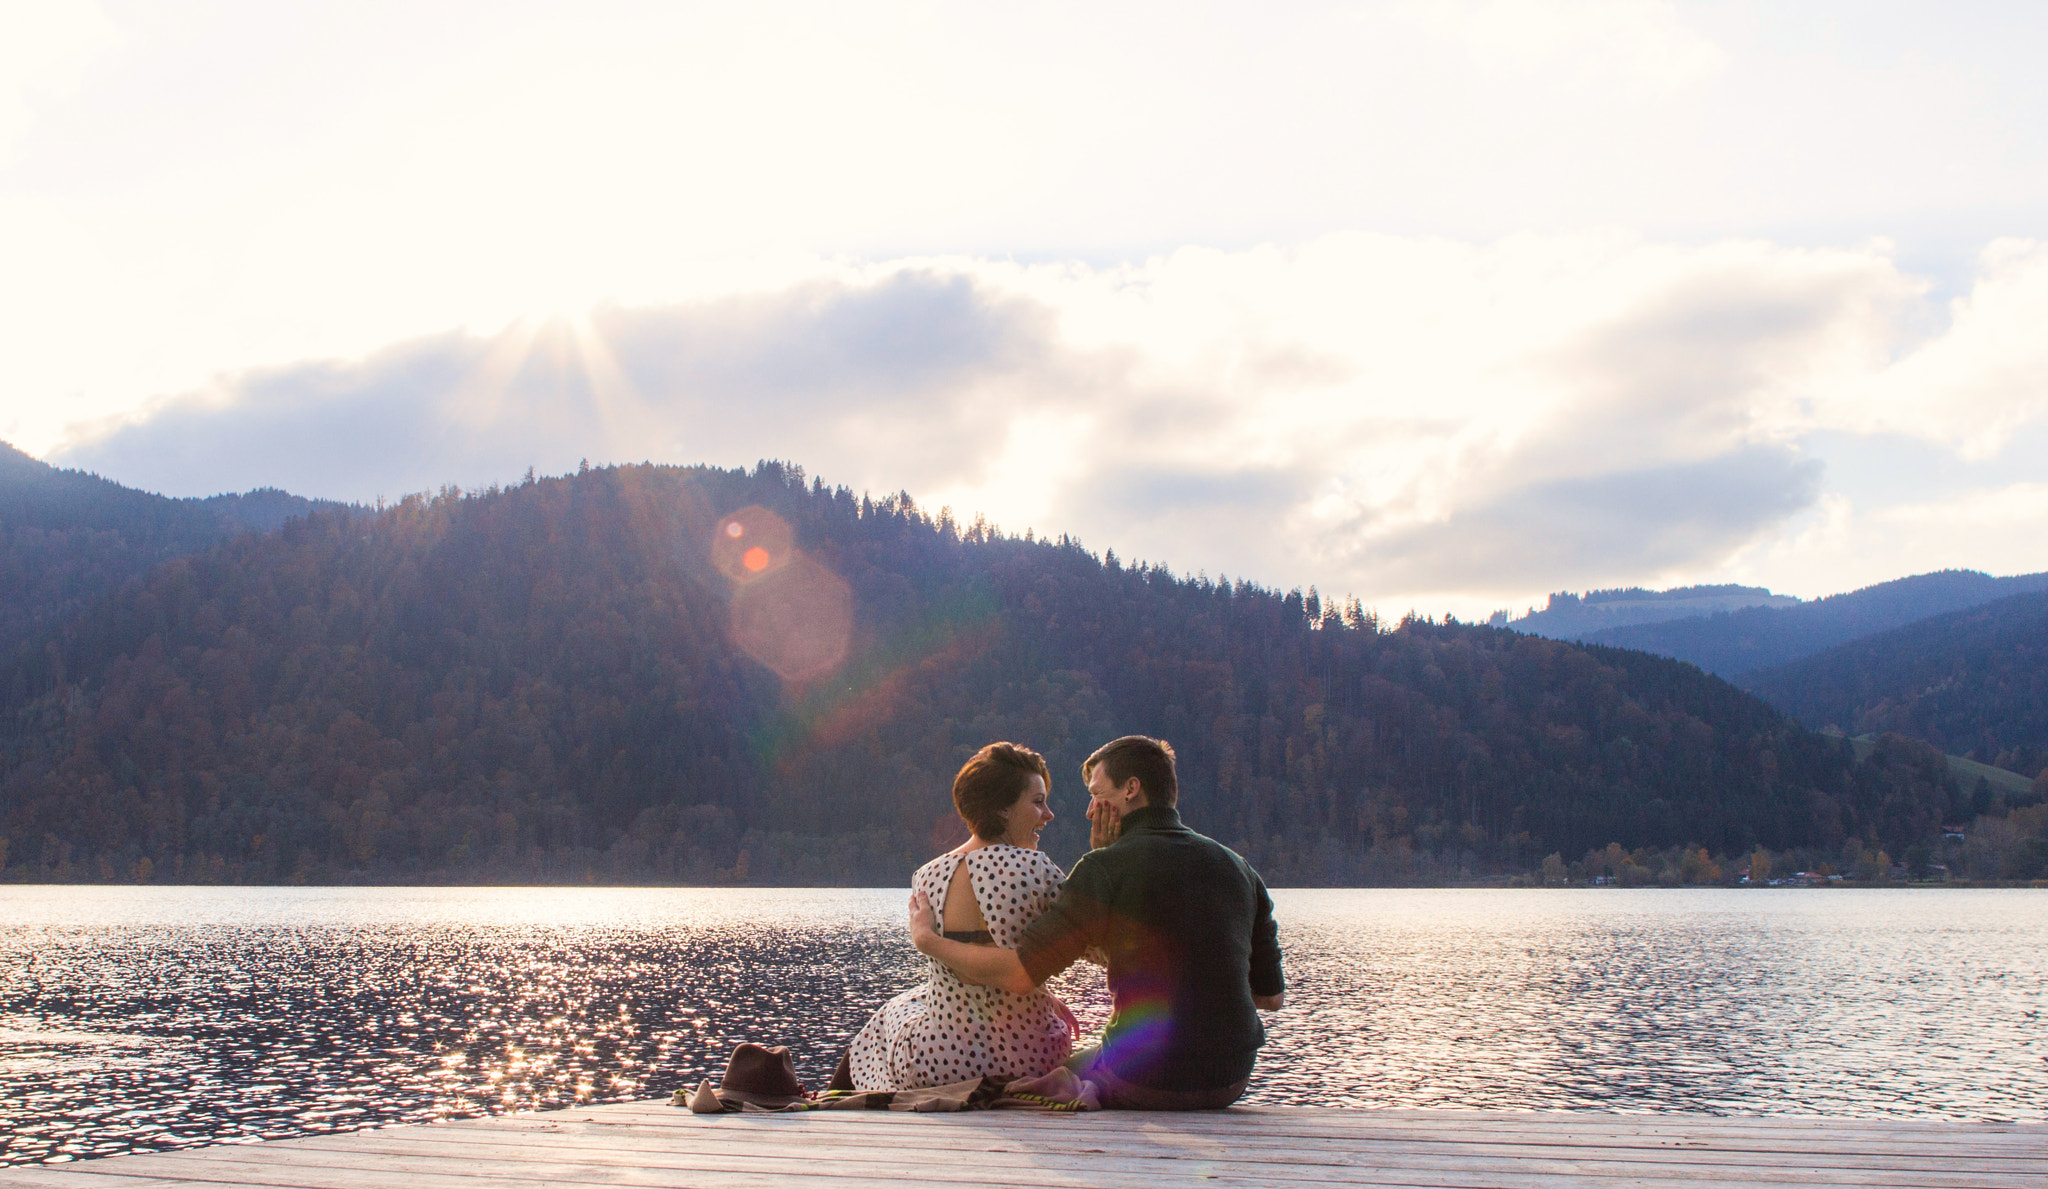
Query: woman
[[985, 891]]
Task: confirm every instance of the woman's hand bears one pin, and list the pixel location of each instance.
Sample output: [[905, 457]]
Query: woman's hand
[[1067, 1014], [924, 923], [1105, 823]]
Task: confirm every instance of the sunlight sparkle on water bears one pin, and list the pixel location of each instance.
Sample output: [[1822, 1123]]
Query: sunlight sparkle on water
[[153, 1018]]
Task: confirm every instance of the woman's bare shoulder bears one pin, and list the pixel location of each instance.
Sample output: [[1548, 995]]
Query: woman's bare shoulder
[[1020, 859], [937, 866]]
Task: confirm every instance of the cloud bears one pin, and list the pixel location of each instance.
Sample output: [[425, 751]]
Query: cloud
[[49, 51], [1981, 382], [1647, 521], [1416, 420], [1645, 47], [248, 182], [896, 369]]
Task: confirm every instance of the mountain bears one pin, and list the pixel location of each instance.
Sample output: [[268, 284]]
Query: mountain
[[1580, 617], [68, 539], [691, 674], [1971, 682], [1735, 642]]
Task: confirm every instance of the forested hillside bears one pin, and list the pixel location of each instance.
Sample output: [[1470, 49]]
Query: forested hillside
[[1974, 683], [1570, 616], [705, 675], [1731, 643], [68, 539]]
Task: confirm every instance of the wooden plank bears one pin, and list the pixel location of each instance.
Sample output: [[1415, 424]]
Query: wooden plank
[[573, 1134], [382, 1174], [1444, 1116], [77, 1176], [1009, 1167], [1350, 1167], [1698, 1131], [652, 1145], [1224, 1122], [1273, 1122], [1344, 1122]]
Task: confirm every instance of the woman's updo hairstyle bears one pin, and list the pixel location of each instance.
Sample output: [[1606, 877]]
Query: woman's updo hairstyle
[[992, 781]]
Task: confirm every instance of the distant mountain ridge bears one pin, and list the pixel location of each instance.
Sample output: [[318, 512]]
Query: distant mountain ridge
[[1972, 682], [1732, 643], [1580, 617], [69, 538]]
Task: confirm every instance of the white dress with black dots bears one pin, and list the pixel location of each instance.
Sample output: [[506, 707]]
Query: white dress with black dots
[[948, 1031]]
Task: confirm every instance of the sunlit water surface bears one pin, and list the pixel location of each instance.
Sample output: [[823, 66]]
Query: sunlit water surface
[[136, 1019]]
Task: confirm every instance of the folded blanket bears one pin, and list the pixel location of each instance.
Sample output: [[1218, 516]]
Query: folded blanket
[[1059, 1090]]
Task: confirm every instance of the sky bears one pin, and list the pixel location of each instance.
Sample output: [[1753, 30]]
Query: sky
[[1442, 305]]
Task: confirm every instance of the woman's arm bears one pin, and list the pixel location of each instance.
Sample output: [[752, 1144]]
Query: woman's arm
[[982, 965]]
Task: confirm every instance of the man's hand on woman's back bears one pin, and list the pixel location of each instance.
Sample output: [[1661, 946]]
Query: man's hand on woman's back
[[983, 965]]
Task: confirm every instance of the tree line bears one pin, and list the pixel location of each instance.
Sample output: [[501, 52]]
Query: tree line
[[545, 683]]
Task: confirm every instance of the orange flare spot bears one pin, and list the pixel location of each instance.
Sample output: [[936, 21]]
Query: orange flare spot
[[755, 559]]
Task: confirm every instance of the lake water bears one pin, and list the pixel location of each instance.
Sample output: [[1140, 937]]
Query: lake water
[[135, 1019]]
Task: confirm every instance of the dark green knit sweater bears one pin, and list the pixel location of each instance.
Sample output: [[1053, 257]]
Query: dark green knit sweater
[[1188, 928]]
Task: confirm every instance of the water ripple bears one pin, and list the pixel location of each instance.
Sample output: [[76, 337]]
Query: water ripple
[[145, 1019]]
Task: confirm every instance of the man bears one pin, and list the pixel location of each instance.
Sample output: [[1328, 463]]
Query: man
[[1184, 925]]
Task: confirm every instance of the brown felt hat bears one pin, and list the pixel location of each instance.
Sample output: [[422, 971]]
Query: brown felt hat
[[762, 1076]]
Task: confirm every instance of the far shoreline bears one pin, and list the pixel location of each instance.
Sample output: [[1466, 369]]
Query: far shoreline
[[1502, 884]]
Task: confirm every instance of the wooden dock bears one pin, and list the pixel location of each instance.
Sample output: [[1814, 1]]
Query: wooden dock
[[653, 1144]]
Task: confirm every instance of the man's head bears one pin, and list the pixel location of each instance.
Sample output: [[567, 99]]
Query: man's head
[[1132, 773]]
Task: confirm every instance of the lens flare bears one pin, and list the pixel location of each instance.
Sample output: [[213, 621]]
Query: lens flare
[[752, 543], [875, 685], [1138, 1034], [797, 621]]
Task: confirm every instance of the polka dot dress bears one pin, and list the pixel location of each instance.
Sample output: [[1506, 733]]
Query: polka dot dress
[[948, 1031]]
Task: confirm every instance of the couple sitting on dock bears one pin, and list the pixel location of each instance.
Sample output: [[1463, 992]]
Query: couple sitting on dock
[[1184, 926]]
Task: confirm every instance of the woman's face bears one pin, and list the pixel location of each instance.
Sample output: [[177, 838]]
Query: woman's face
[[1025, 820]]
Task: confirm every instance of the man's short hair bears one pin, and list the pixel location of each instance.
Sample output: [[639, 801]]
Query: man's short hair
[[1148, 759]]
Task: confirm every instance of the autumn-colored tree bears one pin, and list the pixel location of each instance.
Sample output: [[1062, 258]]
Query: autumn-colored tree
[[1696, 866]]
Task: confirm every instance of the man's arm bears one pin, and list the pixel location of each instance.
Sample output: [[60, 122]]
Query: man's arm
[[1269, 986], [982, 965]]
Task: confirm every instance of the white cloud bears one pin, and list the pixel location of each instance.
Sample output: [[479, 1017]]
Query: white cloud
[[1542, 262], [49, 48], [1416, 420], [246, 182], [1978, 384], [1840, 546], [1647, 47]]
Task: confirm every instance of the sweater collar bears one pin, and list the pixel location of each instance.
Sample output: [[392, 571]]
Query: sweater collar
[[1153, 817]]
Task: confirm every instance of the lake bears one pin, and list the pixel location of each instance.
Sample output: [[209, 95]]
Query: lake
[[145, 1018]]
